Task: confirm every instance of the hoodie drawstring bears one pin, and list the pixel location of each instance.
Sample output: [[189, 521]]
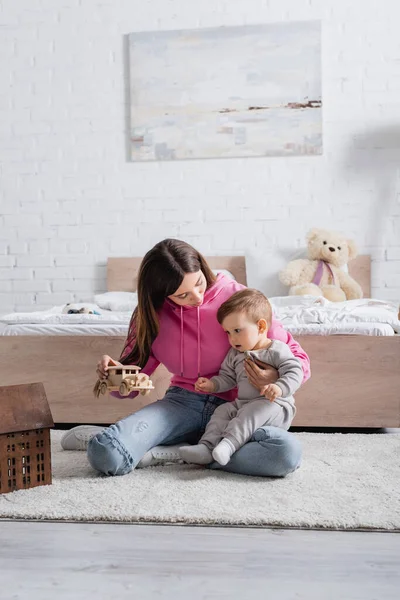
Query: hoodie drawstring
[[181, 341], [198, 342]]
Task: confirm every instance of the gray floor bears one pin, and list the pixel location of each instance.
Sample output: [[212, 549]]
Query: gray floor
[[105, 561]]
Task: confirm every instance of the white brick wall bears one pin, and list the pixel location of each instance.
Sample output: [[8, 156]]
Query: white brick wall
[[69, 198]]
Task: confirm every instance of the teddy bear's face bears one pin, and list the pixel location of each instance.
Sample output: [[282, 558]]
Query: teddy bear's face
[[330, 246]]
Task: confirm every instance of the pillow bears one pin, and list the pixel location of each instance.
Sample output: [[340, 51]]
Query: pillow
[[117, 301], [224, 272]]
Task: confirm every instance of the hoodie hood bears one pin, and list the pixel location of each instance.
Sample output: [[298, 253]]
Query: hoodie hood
[[210, 294]]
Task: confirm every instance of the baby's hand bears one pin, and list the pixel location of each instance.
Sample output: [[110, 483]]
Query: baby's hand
[[272, 391], [204, 385]]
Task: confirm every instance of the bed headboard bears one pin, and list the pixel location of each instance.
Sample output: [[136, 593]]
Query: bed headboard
[[360, 270], [122, 272]]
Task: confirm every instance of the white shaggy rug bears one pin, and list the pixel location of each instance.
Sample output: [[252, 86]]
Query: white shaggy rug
[[346, 481]]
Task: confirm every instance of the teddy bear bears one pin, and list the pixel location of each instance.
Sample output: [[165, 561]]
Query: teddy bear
[[321, 274]]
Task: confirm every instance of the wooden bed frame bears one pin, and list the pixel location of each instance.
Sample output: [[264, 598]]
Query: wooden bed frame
[[355, 379]]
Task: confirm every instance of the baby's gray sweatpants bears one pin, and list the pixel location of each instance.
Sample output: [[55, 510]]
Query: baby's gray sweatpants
[[238, 420]]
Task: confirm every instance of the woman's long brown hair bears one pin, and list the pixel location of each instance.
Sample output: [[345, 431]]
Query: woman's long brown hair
[[160, 275]]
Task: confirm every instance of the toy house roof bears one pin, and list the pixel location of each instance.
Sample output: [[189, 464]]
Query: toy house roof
[[24, 407]]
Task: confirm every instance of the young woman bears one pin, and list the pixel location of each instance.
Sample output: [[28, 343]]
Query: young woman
[[175, 324]]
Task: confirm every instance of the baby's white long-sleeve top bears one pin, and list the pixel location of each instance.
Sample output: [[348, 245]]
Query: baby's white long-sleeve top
[[232, 372]]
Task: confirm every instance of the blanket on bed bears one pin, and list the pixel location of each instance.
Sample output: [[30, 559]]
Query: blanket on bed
[[55, 316], [297, 311]]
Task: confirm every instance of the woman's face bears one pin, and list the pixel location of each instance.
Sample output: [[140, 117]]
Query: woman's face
[[191, 291]]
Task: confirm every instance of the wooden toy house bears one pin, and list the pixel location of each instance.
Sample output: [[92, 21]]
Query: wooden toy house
[[25, 422]]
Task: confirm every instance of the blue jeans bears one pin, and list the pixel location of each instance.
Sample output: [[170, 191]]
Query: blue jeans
[[182, 416]]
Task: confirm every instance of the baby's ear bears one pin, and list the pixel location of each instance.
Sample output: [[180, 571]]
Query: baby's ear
[[262, 325], [352, 249], [313, 234]]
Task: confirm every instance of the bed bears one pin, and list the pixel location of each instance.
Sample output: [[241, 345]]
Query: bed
[[355, 372], [62, 353]]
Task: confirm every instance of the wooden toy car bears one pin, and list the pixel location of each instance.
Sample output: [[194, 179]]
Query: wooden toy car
[[124, 379]]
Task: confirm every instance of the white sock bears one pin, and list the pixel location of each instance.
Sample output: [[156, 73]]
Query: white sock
[[199, 454], [223, 451]]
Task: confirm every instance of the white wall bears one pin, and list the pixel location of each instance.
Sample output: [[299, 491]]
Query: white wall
[[70, 198]]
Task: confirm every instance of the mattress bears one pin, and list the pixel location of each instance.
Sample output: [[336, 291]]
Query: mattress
[[106, 329], [114, 329], [373, 329], [300, 315], [54, 322]]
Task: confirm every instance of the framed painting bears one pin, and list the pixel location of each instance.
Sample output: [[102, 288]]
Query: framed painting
[[226, 92]]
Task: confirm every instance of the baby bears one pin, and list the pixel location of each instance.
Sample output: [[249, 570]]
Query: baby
[[246, 318]]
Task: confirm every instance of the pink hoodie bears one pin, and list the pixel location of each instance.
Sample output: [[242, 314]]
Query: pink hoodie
[[191, 342]]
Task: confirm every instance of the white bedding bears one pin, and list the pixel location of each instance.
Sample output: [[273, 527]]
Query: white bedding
[[54, 316], [54, 322], [321, 317], [304, 315], [121, 329], [65, 329]]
